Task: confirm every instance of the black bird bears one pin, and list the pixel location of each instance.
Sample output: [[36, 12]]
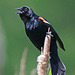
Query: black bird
[[36, 28]]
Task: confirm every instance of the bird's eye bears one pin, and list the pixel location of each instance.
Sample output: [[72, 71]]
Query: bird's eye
[[26, 9]]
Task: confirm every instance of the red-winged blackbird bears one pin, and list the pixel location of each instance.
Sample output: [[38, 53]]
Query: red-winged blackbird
[[36, 28]]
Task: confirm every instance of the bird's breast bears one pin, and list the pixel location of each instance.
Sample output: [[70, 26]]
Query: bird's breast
[[36, 34]]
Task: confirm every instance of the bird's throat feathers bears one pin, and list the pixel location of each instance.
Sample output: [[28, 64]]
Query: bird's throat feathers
[[31, 24]]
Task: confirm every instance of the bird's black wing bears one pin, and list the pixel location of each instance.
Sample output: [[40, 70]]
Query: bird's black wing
[[53, 32], [55, 35]]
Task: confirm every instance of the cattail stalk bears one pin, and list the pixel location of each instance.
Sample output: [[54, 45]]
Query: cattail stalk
[[42, 60]]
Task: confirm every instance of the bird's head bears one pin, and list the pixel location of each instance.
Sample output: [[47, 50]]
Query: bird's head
[[25, 13]]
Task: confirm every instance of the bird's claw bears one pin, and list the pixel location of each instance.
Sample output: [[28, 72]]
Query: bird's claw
[[49, 33]]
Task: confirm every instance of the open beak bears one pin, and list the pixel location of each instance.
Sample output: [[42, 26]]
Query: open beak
[[20, 12], [19, 9]]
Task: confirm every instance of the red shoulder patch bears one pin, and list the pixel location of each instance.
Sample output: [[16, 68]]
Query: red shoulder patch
[[43, 19]]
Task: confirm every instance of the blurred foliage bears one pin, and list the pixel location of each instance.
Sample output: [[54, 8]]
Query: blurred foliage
[[50, 73], [60, 13]]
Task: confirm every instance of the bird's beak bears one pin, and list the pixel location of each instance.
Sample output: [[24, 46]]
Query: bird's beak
[[20, 12], [19, 9]]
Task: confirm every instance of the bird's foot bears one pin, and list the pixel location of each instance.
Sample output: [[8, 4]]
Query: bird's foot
[[49, 33]]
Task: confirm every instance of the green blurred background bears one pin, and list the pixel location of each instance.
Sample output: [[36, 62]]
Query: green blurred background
[[13, 40]]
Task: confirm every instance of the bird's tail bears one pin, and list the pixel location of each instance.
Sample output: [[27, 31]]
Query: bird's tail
[[57, 68]]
